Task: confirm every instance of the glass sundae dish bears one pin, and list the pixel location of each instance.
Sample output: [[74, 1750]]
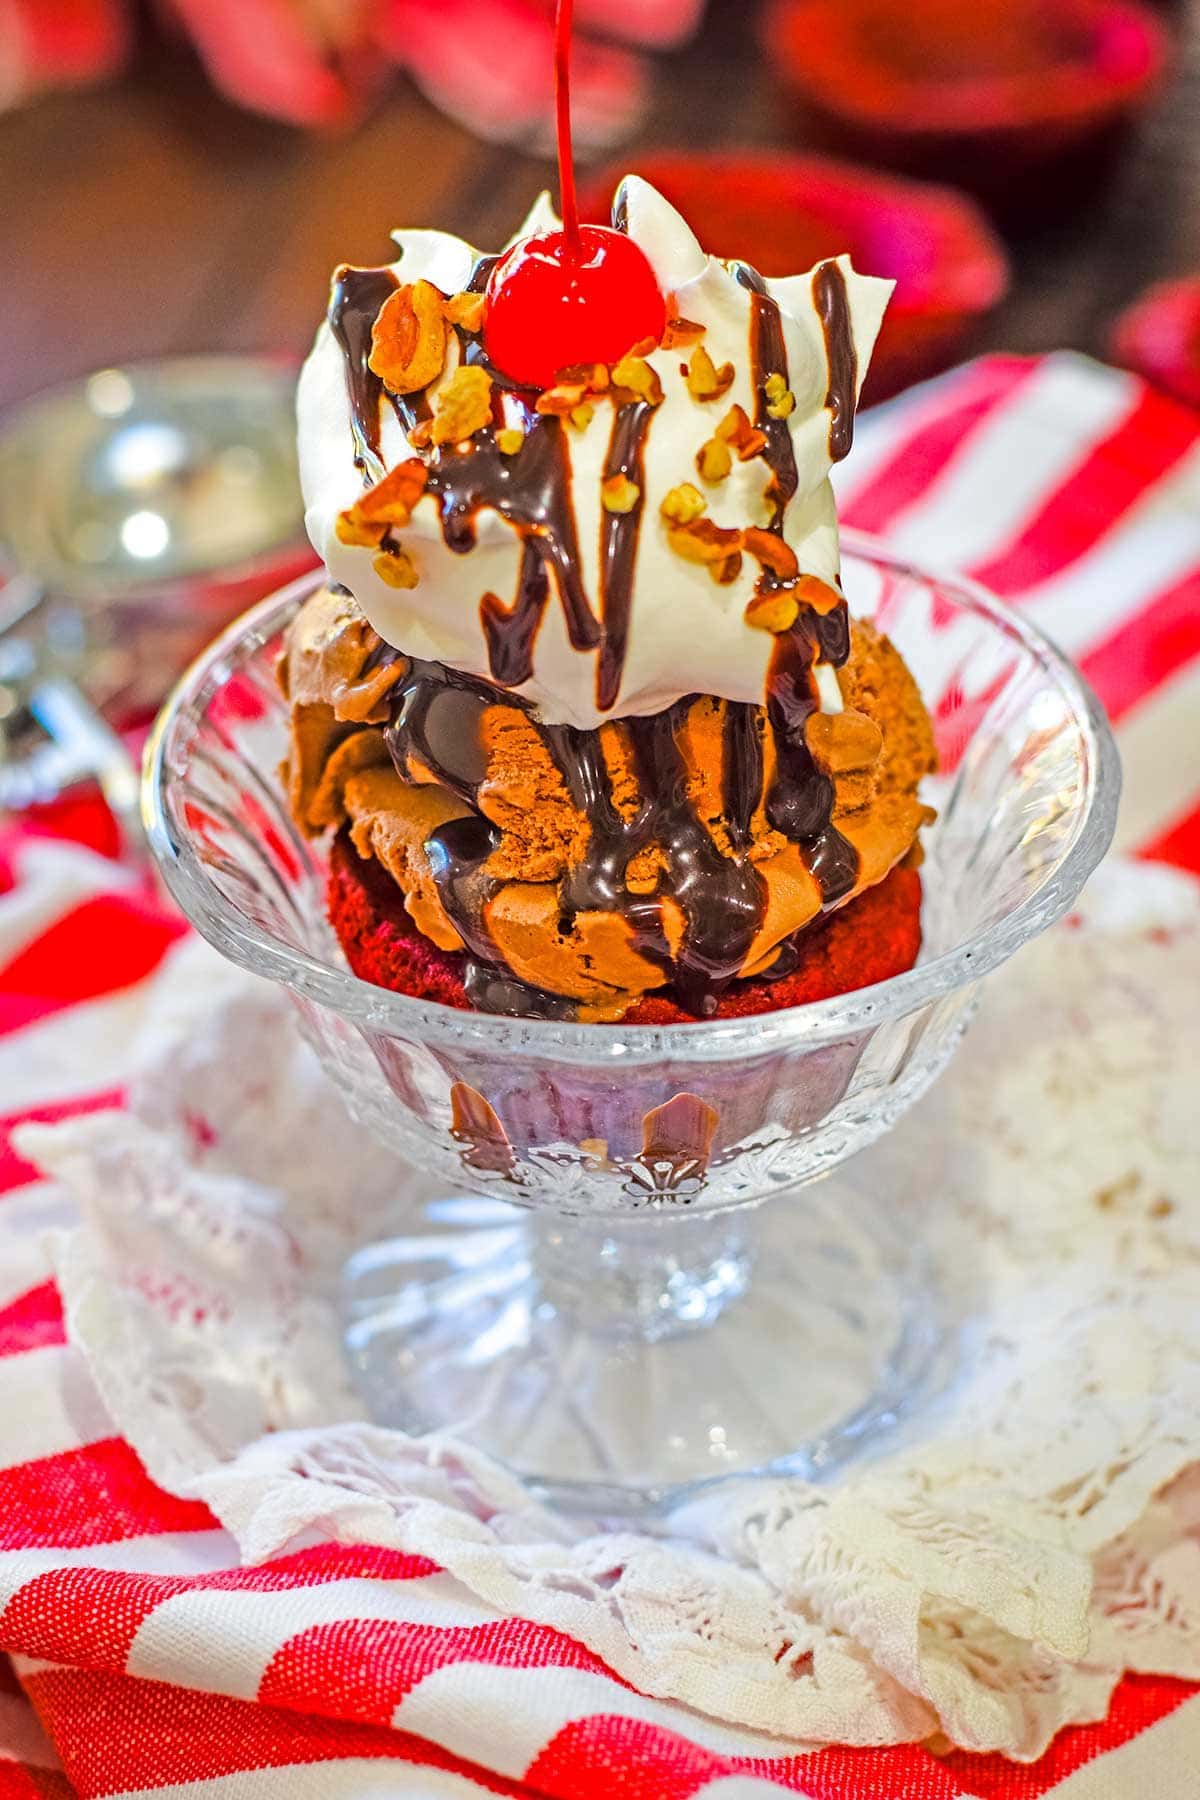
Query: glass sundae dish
[[602, 859]]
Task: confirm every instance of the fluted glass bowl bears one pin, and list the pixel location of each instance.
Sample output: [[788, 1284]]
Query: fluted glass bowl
[[631, 1334]]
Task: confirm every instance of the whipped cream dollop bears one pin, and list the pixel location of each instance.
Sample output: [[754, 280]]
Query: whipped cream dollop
[[684, 632]]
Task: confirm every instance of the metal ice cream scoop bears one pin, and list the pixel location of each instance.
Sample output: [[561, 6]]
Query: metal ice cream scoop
[[138, 509]]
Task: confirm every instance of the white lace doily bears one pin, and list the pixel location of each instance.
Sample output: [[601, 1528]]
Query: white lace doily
[[987, 1581]]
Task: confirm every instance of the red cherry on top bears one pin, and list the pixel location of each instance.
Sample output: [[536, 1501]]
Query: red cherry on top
[[553, 302]]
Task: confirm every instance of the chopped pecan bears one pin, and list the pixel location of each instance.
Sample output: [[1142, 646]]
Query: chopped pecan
[[352, 528], [771, 551], [463, 406], [396, 568], [702, 541], [773, 612], [716, 547], [634, 373], [780, 399], [582, 416], [683, 504], [743, 438], [593, 378], [619, 494], [465, 310], [408, 339], [509, 440], [704, 380], [843, 741], [389, 502], [810, 590], [680, 333], [562, 398], [714, 459]]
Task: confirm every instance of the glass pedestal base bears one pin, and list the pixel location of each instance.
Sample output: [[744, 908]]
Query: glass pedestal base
[[617, 1364]]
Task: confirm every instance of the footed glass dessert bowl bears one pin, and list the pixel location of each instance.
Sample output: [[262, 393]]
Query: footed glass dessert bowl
[[613, 1312]]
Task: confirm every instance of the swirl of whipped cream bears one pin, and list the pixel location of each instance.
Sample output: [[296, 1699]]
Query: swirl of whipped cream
[[686, 633]]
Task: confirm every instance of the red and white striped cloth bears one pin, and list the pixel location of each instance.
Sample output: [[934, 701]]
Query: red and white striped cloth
[[153, 1663]]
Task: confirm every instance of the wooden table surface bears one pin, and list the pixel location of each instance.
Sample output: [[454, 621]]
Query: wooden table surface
[[151, 217]]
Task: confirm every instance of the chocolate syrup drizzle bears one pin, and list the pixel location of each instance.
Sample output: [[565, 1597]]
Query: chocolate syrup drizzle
[[841, 394], [800, 800], [532, 490], [618, 547], [741, 769], [437, 717], [722, 898], [768, 356], [357, 300], [437, 712]]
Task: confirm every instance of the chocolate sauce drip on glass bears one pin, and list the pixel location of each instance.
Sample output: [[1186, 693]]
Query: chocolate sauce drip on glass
[[829, 292], [618, 547], [358, 296]]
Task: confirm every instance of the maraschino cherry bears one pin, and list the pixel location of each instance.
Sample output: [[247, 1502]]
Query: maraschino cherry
[[580, 295]]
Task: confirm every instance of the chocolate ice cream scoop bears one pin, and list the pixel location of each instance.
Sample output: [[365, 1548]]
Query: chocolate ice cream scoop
[[577, 871]]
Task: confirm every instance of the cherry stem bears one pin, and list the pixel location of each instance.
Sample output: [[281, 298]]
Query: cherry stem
[[562, 109]]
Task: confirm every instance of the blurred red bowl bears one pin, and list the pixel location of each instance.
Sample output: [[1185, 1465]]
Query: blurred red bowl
[[1159, 336], [785, 213], [976, 88]]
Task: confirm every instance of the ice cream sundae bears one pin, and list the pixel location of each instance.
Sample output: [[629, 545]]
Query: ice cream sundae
[[582, 701]]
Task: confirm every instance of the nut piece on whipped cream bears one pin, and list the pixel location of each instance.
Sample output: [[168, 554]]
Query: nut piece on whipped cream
[[583, 688]]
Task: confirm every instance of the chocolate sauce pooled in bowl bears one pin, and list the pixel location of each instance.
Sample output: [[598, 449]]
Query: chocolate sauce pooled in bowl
[[437, 713]]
